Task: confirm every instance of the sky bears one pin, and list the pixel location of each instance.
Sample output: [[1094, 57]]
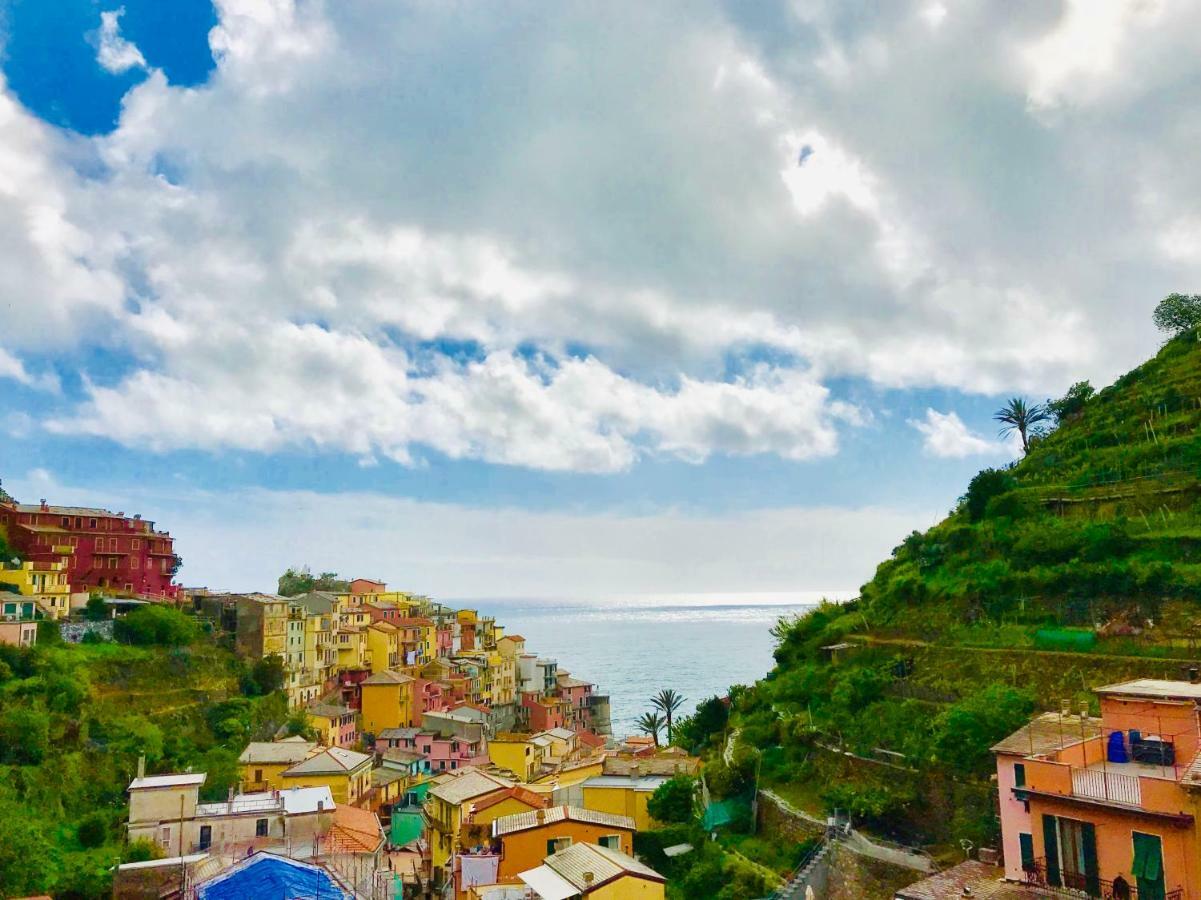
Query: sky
[[571, 299]]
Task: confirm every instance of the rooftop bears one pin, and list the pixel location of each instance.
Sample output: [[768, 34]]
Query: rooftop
[[1048, 733], [539, 818], [332, 759], [277, 752], [388, 677], [470, 784], [578, 860], [1154, 689], [395, 733], [972, 878], [150, 782], [641, 783]]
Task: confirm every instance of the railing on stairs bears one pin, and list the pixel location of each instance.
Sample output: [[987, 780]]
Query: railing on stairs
[[802, 870]]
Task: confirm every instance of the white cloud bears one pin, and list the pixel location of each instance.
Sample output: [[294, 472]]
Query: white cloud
[[243, 539], [113, 52], [946, 436], [11, 367], [374, 173]]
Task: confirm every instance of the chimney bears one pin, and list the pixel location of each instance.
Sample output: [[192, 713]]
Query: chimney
[[540, 816], [230, 797], [1194, 674], [45, 505], [141, 763], [634, 770], [589, 878]]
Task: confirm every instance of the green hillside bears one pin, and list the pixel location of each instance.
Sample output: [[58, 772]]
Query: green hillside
[[75, 718], [1077, 566]]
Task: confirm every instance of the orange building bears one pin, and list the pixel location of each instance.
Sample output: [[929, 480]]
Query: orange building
[[526, 839], [1108, 808]]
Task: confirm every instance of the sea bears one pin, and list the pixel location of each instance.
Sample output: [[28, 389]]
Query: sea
[[631, 647]]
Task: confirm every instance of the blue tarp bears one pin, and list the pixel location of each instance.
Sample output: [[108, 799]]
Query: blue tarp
[[267, 877]]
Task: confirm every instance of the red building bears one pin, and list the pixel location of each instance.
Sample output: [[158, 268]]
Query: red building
[[104, 551]]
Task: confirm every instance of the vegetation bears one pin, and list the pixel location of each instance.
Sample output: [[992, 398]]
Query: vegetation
[[668, 702], [1018, 416], [651, 723], [295, 582], [672, 801], [1077, 565], [75, 718]]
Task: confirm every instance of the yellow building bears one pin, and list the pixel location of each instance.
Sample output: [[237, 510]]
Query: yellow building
[[336, 725], [518, 754], [595, 872], [351, 649], [347, 774], [448, 804], [45, 582], [388, 702], [623, 795], [383, 647], [263, 762]]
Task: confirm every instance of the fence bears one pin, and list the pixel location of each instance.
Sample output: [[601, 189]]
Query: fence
[[1098, 784]]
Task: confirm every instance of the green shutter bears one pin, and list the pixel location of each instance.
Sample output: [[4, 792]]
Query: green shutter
[[1051, 850], [1026, 843], [1019, 775], [1147, 867], [1092, 875]]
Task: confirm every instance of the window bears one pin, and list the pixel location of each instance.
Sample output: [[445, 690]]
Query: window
[[1147, 867], [612, 841], [78, 522], [164, 836], [554, 846], [260, 828], [66, 521], [206, 836], [136, 562], [91, 523], [112, 562], [1071, 854], [137, 543], [1026, 845], [258, 775], [1019, 775]]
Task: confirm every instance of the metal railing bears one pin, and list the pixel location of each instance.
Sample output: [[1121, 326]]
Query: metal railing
[[1076, 884], [1099, 784]]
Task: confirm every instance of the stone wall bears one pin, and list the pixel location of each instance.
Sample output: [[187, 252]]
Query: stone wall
[[773, 820], [73, 632]]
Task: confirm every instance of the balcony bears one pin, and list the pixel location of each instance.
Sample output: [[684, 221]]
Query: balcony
[[1101, 784], [1077, 885]]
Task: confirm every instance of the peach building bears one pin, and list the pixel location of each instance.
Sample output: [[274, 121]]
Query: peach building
[[1107, 807]]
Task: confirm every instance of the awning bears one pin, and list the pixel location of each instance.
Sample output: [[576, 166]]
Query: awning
[[549, 884]]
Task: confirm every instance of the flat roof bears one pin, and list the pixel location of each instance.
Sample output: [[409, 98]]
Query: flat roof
[[641, 783], [151, 782], [540, 818], [1154, 688], [1049, 732]]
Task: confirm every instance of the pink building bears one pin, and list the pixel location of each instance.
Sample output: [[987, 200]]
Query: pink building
[[574, 694], [432, 696], [443, 753], [543, 713]]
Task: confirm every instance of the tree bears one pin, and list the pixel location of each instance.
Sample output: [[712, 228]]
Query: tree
[[93, 829], [1017, 416], [23, 853], [667, 702], [986, 485], [672, 800], [300, 581], [24, 736], [651, 723], [965, 731], [300, 725], [1070, 404], [96, 610], [266, 676], [1178, 314]]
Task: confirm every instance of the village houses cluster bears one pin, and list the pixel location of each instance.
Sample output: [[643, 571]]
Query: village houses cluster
[[440, 752]]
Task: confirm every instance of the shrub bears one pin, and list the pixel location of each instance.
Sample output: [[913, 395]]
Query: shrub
[[24, 736], [672, 800], [986, 485], [155, 625], [966, 730], [93, 830]]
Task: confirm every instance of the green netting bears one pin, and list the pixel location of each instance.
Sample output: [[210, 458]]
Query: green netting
[[406, 827], [1064, 639], [720, 813]]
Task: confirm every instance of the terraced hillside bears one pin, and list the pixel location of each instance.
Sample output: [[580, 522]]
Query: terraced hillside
[[1078, 566]]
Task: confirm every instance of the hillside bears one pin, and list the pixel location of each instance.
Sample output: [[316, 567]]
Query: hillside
[[1077, 566], [75, 718]]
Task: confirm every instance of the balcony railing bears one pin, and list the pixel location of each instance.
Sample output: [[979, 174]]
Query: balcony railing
[[1074, 884], [1098, 784]]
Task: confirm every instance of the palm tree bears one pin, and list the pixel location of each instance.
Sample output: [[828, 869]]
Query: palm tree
[[1017, 416], [651, 723], [667, 702]]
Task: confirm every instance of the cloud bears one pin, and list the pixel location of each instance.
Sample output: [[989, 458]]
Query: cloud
[[243, 540], [946, 437], [113, 52], [11, 367], [443, 225]]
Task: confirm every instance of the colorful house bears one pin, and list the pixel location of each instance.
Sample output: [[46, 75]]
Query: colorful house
[[518, 754], [589, 870], [336, 725], [527, 838], [262, 626], [19, 632], [387, 701], [447, 805], [104, 550], [346, 773], [1107, 805], [263, 762], [623, 795], [383, 647], [46, 582]]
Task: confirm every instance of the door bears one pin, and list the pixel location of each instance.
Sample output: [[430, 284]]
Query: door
[[1078, 855], [1147, 867]]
